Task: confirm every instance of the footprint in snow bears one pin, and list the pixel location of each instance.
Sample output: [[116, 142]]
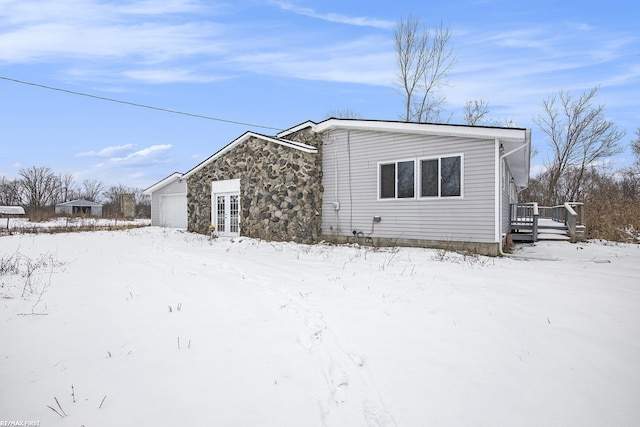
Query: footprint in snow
[[339, 382]]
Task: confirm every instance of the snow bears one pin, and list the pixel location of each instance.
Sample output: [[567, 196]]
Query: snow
[[160, 327], [70, 222]]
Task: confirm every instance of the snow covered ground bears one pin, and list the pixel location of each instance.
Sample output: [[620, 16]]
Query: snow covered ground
[[68, 222], [158, 327]]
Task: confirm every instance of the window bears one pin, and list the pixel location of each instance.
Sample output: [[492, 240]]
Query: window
[[441, 177], [388, 181], [429, 178], [436, 177], [450, 171], [397, 180]]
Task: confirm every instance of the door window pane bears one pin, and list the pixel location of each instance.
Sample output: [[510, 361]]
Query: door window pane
[[233, 213], [220, 226]]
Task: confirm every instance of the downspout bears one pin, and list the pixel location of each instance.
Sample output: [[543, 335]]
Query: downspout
[[501, 158]]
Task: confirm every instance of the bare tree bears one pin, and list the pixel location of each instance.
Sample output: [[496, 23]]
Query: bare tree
[[424, 61], [67, 186], [345, 113], [579, 135], [475, 112], [9, 192], [39, 186], [92, 189], [113, 197], [115, 192], [635, 147]]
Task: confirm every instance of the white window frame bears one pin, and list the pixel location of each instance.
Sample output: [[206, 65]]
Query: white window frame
[[418, 176], [395, 162]]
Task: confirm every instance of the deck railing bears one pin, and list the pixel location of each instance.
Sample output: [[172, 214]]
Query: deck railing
[[574, 220], [571, 214], [525, 216]]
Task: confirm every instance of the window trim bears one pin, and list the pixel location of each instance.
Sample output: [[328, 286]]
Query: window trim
[[439, 159], [417, 178], [396, 162]]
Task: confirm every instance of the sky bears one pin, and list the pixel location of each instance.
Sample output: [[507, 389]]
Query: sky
[[267, 65]]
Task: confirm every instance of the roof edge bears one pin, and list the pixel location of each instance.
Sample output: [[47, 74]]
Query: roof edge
[[485, 132], [244, 137], [297, 128], [86, 203], [162, 183]]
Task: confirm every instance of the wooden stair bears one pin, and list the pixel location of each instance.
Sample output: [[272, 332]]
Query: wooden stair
[[552, 231], [527, 226]]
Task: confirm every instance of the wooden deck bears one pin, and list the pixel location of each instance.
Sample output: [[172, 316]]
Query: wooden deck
[[530, 222]]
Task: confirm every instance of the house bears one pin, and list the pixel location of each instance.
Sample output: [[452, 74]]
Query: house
[[79, 207], [366, 181]]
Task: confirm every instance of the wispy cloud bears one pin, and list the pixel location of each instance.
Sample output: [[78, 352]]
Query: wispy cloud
[[367, 60], [149, 154], [107, 151], [139, 31], [144, 42], [361, 21], [145, 156], [172, 75]]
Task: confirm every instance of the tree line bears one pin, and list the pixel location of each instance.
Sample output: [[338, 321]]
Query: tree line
[[38, 189]]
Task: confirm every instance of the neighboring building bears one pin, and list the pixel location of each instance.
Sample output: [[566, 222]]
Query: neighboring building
[[10, 211], [365, 181], [79, 207]]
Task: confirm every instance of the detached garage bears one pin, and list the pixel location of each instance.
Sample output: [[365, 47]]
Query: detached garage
[[169, 202], [79, 207]]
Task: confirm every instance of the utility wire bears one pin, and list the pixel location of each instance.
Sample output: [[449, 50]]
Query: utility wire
[[134, 104]]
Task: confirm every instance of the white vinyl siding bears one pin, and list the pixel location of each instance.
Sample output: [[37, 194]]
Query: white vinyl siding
[[351, 167], [509, 196]]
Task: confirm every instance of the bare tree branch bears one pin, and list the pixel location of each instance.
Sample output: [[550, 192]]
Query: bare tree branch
[[635, 146], [39, 186], [579, 135], [424, 61], [475, 112], [92, 189]]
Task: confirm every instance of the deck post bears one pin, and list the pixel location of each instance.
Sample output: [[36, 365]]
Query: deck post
[[536, 215], [572, 218]]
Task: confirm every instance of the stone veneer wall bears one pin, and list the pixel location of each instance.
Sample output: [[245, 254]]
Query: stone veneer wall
[[280, 189]]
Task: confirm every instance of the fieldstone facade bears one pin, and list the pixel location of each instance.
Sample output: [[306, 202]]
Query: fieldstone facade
[[280, 189]]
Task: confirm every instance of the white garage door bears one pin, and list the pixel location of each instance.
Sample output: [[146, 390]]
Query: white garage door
[[173, 211]]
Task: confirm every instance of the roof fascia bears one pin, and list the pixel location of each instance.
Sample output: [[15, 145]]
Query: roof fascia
[[79, 202], [162, 183], [297, 128], [482, 132], [518, 156]]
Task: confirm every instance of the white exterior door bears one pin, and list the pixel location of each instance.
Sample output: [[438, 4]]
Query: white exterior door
[[227, 214], [173, 211]]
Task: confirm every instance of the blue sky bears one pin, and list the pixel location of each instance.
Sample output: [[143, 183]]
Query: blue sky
[[277, 63]]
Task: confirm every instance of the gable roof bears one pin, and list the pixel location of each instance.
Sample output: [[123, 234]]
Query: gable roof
[[79, 202], [515, 142], [165, 181], [244, 137], [11, 210]]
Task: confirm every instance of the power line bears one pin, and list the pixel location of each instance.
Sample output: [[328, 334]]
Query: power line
[[134, 104]]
